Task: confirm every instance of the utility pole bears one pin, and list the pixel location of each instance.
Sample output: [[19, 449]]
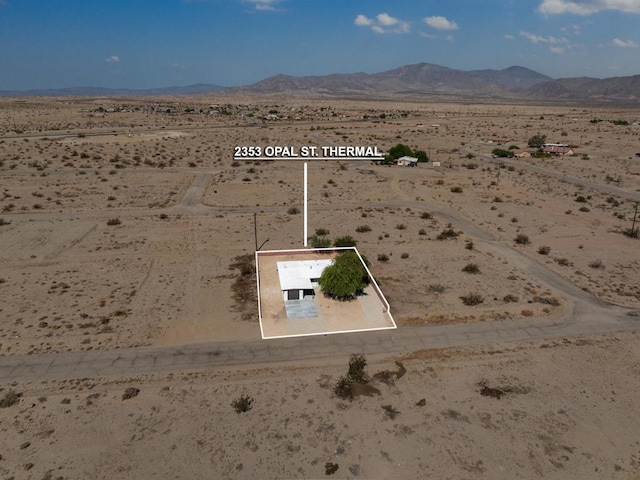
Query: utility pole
[[633, 232]]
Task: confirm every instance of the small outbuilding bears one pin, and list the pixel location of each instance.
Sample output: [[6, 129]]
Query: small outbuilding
[[407, 161]]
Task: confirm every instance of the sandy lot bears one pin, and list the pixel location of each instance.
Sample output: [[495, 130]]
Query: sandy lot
[[560, 417], [126, 222]]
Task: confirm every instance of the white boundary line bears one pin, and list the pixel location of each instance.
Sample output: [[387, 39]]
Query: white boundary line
[[312, 250]]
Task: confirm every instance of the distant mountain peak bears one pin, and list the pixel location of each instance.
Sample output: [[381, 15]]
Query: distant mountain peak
[[408, 81]]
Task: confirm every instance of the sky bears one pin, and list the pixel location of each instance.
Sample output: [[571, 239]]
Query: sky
[[160, 43]]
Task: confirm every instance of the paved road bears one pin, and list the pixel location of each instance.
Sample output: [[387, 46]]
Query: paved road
[[138, 361], [581, 314]]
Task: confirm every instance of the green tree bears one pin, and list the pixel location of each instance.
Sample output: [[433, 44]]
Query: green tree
[[421, 155], [399, 151], [345, 278], [537, 141], [499, 152]]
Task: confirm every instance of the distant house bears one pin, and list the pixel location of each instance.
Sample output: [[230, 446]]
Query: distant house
[[407, 161], [558, 150], [521, 153]]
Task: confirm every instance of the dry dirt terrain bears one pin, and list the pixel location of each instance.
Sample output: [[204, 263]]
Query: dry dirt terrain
[[126, 223]]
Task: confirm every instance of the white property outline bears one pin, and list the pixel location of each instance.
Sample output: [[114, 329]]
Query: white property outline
[[376, 287]]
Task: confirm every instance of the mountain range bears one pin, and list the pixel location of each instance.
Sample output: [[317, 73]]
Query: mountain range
[[417, 80]]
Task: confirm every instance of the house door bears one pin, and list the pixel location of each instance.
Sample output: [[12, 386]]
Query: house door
[[294, 294]]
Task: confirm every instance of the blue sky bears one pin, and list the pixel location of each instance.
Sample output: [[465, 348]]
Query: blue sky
[[154, 43]]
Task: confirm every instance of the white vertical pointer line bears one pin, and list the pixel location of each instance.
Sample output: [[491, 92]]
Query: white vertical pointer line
[[305, 204]]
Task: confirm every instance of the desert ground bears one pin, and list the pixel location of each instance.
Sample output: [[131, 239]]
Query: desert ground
[[125, 223]]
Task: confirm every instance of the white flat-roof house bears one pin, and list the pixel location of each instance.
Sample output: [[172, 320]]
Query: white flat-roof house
[[407, 161], [298, 279]]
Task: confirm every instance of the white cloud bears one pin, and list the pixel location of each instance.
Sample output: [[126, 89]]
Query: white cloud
[[557, 50], [383, 23], [264, 5], [440, 23], [509, 37], [535, 39], [587, 7], [362, 21], [113, 59], [616, 42]]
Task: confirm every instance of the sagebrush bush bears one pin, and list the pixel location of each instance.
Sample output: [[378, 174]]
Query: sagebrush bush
[[242, 404], [472, 299], [471, 268]]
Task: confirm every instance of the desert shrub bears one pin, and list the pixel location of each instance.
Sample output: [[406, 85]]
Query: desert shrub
[[404, 255], [242, 404], [510, 298], [471, 268], [527, 313], [319, 241], [422, 231], [440, 182], [553, 301], [522, 239], [456, 190], [584, 209], [469, 245], [363, 228], [390, 412], [426, 215], [4, 222], [401, 226], [10, 398], [447, 233], [114, 221], [343, 388], [581, 199], [514, 220], [436, 288], [383, 257], [497, 199], [345, 241], [321, 232], [130, 393], [357, 362], [563, 262], [472, 299], [631, 232], [544, 250], [596, 264], [293, 210], [330, 468]]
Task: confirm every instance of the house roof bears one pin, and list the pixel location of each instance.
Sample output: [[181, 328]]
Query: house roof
[[297, 275]]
